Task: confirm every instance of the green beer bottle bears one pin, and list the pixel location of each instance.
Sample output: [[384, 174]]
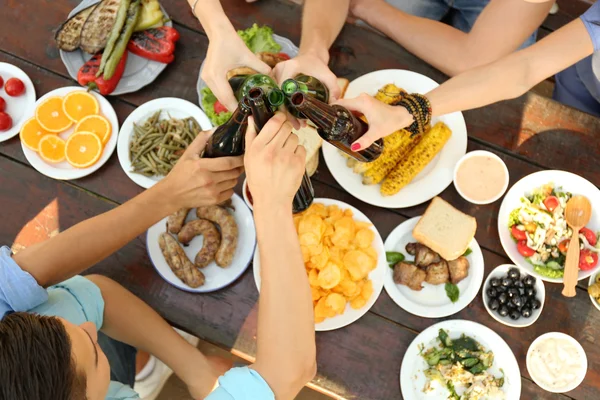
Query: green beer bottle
[[305, 84], [265, 82]]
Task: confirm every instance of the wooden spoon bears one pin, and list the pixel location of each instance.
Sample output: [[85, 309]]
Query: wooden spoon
[[578, 214]]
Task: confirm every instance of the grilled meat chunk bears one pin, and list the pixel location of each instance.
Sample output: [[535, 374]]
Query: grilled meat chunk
[[459, 269], [437, 273], [411, 248], [425, 256], [409, 275]]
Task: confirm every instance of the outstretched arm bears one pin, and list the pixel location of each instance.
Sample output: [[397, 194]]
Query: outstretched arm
[[499, 30], [193, 182]]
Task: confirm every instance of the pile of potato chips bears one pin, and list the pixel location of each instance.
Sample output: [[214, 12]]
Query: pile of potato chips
[[338, 255]]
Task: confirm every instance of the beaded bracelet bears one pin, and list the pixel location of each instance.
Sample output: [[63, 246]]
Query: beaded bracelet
[[420, 108]]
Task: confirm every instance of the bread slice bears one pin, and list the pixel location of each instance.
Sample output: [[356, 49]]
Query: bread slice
[[445, 230], [310, 139], [343, 84]]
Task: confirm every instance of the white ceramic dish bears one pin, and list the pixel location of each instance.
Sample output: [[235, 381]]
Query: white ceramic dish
[[245, 194], [558, 335], [570, 183], [350, 315], [433, 179], [20, 108], [63, 170], [170, 106], [479, 153], [431, 301], [139, 71], [412, 379], [591, 282], [216, 277], [286, 47], [500, 272]]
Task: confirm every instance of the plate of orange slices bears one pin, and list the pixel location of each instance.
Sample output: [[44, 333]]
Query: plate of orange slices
[[71, 134]]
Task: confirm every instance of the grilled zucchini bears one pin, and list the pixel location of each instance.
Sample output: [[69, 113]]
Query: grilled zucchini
[[98, 26], [68, 36]]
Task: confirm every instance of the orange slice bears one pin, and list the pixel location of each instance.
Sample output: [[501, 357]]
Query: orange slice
[[51, 116], [52, 149], [96, 124], [32, 133], [83, 149], [80, 104]]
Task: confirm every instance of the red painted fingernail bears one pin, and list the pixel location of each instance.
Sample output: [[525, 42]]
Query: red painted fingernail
[[355, 147]]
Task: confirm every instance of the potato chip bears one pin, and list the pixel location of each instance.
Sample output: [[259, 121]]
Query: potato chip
[[329, 230], [357, 303], [329, 276], [367, 290], [305, 253], [320, 260], [336, 302], [315, 293], [317, 209], [345, 227], [313, 277], [311, 224], [349, 288], [358, 264], [297, 219], [364, 238], [371, 252], [308, 239], [362, 225], [348, 213]]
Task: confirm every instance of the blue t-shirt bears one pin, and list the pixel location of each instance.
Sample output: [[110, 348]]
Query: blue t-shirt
[[78, 300], [579, 85]]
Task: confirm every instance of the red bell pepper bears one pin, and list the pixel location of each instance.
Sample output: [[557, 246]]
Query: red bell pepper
[[156, 44], [87, 75]]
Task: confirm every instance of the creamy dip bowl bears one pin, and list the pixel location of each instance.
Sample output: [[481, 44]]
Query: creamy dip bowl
[[481, 177]]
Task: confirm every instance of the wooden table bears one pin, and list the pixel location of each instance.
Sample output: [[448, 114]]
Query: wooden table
[[361, 361]]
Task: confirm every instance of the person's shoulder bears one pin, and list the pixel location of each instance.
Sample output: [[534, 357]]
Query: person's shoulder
[[119, 391], [242, 384]]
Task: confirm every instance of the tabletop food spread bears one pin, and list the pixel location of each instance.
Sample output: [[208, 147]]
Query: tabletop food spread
[[430, 263]]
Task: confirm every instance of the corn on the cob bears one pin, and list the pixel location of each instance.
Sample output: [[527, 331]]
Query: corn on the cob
[[390, 93], [396, 147], [417, 159]]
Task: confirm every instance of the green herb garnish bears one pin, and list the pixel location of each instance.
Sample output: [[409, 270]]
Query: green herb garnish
[[452, 292]]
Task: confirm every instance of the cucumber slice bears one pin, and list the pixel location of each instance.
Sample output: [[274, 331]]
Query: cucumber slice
[[554, 265]]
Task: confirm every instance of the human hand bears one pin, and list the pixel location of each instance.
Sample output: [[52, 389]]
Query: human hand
[[275, 163], [383, 119], [225, 53], [195, 181]]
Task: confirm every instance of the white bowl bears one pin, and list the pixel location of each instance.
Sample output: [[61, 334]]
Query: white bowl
[[591, 282], [501, 271], [245, 194], [575, 383], [475, 154]]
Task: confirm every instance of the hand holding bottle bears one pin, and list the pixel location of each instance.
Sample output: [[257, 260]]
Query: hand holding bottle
[[195, 181], [383, 119], [275, 163]]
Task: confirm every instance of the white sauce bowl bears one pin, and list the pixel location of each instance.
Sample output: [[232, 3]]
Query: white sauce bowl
[[481, 153]]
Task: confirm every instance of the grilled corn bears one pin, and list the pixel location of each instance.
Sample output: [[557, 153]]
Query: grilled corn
[[406, 170], [396, 147], [390, 94]]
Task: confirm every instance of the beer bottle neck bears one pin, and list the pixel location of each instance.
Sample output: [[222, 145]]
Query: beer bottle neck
[[321, 114], [258, 104], [275, 98]]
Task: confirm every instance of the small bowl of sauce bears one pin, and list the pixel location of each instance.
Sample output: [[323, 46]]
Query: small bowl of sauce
[[556, 362], [247, 195], [481, 177]]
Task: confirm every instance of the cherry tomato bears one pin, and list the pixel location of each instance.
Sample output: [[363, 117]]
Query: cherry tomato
[[517, 233], [283, 56], [1, 82], [219, 108], [524, 250], [587, 260], [551, 202], [14, 87], [5, 121], [563, 246], [2, 104], [590, 236]]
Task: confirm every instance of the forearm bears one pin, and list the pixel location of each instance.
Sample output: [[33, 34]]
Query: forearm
[[322, 22], [286, 338], [129, 320], [212, 17], [90, 241]]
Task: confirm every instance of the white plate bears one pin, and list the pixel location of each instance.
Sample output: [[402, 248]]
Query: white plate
[[139, 71], [559, 335], [590, 283], [286, 47], [176, 108], [216, 277], [431, 301], [570, 183], [412, 379], [350, 315], [433, 179], [500, 272], [63, 170], [19, 108]]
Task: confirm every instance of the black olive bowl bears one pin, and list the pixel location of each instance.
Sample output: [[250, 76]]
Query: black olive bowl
[[499, 273]]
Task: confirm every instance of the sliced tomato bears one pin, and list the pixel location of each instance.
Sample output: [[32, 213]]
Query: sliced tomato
[[563, 246], [283, 56], [219, 107], [587, 260], [2, 104], [590, 236], [523, 249], [517, 233], [551, 202]]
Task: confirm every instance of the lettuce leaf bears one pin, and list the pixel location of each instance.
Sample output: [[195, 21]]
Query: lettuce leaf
[[513, 218], [208, 105], [549, 272], [260, 39]]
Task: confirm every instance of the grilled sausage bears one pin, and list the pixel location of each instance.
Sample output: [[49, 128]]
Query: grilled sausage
[[212, 240], [229, 232], [178, 261], [176, 221]]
